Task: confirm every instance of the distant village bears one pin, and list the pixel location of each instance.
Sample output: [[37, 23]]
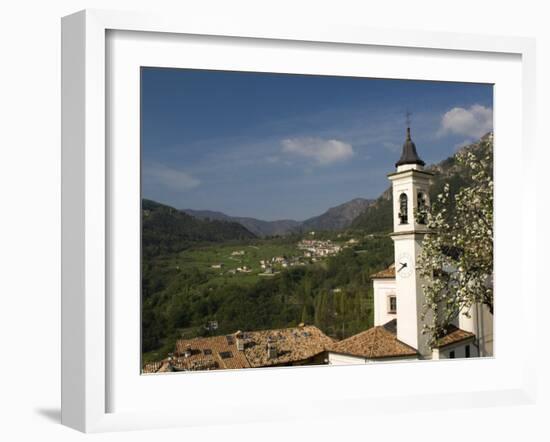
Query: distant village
[[309, 251]]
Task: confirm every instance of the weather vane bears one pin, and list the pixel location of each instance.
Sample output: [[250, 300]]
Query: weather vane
[[408, 118]]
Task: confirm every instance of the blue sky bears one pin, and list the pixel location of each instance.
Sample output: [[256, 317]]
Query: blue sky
[[275, 146]]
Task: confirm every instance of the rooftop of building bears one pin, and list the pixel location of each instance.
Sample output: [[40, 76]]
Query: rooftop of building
[[385, 274], [409, 155], [453, 336], [375, 343], [210, 353], [288, 345], [291, 345], [381, 342]]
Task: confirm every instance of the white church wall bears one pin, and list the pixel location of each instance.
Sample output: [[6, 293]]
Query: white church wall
[[410, 184], [487, 344], [459, 350], [398, 189], [407, 237], [479, 323], [341, 359], [410, 294], [383, 289], [468, 323], [485, 327]]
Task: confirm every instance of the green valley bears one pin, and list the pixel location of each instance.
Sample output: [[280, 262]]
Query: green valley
[[201, 291]]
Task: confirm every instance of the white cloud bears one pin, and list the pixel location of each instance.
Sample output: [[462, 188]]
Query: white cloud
[[473, 122], [168, 177], [319, 150]]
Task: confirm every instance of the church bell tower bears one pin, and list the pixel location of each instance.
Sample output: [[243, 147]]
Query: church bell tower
[[410, 185]]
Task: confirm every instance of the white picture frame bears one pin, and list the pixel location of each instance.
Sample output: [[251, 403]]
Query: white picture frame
[[87, 229]]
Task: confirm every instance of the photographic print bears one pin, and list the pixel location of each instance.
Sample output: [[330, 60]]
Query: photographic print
[[295, 220]]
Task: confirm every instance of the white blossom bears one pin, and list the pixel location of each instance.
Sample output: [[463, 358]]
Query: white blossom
[[456, 261]]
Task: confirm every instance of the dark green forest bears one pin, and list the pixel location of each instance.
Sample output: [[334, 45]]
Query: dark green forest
[[168, 230]]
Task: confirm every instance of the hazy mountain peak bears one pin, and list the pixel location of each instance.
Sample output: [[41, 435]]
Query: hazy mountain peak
[[335, 218]]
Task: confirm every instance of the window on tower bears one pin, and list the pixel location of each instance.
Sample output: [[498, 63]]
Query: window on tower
[[421, 207], [392, 304], [403, 209]]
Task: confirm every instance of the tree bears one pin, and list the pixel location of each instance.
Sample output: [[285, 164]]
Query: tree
[[456, 261]]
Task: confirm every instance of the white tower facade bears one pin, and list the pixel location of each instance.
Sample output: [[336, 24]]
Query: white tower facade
[[410, 186]]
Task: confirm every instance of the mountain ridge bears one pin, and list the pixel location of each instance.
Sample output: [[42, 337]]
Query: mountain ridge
[[335, 218], [338, 217], [257, 226], [369, 215]]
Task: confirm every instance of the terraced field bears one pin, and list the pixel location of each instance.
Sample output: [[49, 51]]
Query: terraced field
[[230, 257]]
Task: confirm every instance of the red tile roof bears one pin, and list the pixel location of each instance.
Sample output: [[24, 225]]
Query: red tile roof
[[385, 274], [375, 343], [292, 345], [454, 335], [209, 354]]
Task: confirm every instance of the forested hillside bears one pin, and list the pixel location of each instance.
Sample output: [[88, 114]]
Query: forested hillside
[[257, 226], [168, 230], [180, 298]]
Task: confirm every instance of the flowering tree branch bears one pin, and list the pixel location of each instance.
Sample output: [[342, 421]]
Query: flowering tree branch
[[456, 260]]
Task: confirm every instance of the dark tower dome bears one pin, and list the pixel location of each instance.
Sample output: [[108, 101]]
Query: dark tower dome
[[409, 155]]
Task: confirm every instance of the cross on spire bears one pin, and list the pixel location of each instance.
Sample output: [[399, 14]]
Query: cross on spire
[[408, 121], [409, 155]]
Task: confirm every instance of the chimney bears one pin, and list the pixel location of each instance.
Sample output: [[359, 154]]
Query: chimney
[[239, 340], [188, 352], [271, 350], [240, 344]]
